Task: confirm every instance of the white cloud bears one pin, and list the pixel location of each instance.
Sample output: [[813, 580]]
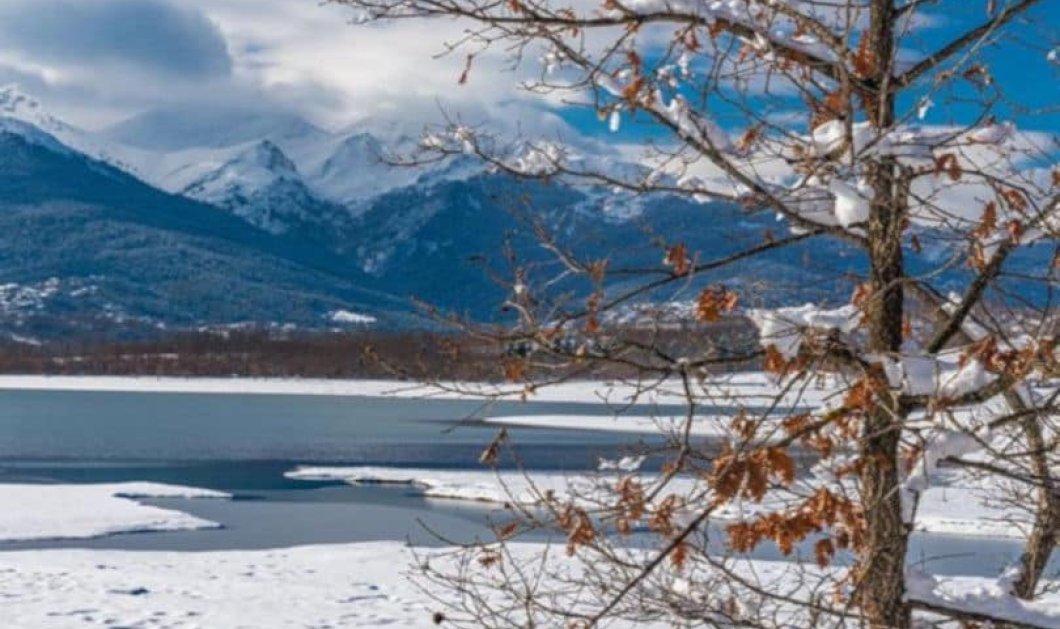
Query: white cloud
[[152, 35], [98, 61], [300, 49]]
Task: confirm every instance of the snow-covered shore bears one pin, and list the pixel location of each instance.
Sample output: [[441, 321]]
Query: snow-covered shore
[[39, 512], [348, 585], [165, 384], [749, 388]]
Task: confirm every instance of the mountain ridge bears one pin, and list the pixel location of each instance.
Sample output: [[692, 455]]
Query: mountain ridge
[[292, 228]]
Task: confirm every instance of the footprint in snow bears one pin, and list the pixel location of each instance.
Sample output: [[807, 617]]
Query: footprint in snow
[[137, 591]]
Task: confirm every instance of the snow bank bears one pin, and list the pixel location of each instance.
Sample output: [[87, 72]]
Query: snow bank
[[982, 596], [262, 386], [36, 512]]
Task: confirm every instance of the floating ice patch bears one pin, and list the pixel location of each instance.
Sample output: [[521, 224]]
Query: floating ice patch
[[511, 486], [702, 426], [38, 512]]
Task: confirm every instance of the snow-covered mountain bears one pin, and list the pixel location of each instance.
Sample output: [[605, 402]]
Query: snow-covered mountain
[[177, 149], [98, 249], [215, 218], [262, 186]]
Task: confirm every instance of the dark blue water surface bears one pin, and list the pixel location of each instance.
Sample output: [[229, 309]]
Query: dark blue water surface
[[243, 444], [153, 427]]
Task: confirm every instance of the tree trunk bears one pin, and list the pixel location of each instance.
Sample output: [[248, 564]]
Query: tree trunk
[[882, 562], [1045, 534]]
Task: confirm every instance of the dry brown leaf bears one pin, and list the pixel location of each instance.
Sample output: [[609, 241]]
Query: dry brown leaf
[[865, 57], [679, 555], [987, 223], [491, 454], [949, 164], [1015, 230], [677, 258], [715, 302], [824, 550]]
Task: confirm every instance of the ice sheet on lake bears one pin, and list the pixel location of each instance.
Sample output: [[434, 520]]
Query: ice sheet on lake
[[38, 511], [702, 426], [469, 485], [957, 508]]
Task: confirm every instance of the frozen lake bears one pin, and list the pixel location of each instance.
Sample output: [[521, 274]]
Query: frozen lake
[[243, 444]]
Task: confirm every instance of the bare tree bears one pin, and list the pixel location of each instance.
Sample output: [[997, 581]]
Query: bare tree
[[807, 109]]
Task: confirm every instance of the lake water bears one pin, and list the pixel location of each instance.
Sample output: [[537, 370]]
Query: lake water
[[243, 444], [167, 427]]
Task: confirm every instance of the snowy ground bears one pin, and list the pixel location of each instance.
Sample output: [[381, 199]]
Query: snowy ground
[[35, 511], [354, 585], [350, 585]]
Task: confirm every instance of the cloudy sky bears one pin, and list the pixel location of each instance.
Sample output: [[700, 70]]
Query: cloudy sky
[[94, 62]]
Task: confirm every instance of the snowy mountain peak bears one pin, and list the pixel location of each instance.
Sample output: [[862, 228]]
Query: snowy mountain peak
[[269, 157], [256, 169], [17, 105], [31, 134], [24, 115], [360, 148], [262, 186]]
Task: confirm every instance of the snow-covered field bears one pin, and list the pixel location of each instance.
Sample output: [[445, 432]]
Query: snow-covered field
[[353, 585], [349, 585], [35, 511]]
